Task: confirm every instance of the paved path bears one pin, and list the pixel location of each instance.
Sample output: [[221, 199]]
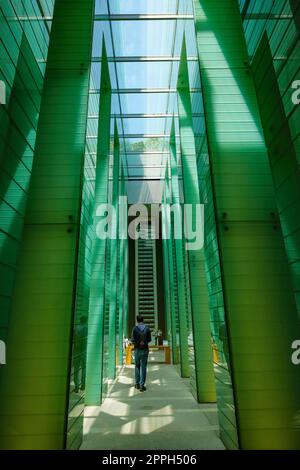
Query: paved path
[[165, 417]]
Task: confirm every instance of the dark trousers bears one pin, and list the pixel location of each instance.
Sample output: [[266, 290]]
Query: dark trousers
[[79, 366], [141, 360]]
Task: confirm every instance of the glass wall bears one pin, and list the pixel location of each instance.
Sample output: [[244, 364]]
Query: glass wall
[[34, 392], [272, 33], [24, 37], [257, 291], [211, 280]]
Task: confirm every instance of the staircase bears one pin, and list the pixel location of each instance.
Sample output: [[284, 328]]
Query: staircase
[[145, 276]]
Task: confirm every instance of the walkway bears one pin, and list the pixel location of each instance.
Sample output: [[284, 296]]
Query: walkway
[[164, 417]]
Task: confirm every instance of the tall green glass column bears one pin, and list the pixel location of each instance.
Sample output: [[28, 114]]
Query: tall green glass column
[[181, 294], [166, 274], [114, 259], [126, 288], [123, 269], [171, 288], [97, 292], [282, 150], [123, 231], [203, 358], [260, 310], [34, 396], [176, 226]]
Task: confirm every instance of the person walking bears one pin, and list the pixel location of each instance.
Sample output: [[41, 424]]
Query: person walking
[[141, 337]]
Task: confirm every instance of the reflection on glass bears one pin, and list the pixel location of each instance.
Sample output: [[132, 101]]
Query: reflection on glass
[[79, 354]]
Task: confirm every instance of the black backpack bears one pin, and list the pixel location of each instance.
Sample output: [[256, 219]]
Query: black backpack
[[142, 341]]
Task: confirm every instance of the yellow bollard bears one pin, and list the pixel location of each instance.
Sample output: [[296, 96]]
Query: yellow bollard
[[128, 350], [215, 353]]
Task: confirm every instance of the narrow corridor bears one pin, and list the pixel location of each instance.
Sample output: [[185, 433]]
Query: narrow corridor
[[150, 173], [166, 416]]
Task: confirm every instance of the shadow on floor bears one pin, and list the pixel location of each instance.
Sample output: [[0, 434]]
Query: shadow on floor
[[165, 417]]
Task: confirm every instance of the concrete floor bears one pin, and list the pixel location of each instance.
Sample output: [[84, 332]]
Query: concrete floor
[[165, 417]]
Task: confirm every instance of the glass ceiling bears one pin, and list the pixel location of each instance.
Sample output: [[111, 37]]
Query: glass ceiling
[[143, 40]]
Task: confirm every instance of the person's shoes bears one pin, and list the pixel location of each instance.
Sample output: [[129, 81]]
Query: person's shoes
[[82, 388], [143, 389], [137, 386], [76, 389]]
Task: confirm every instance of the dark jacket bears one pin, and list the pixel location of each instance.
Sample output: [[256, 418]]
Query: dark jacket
[[136, 335]]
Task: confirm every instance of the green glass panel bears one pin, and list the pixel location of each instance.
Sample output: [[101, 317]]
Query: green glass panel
[[97, 349], [254, 268], [35, 381]]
